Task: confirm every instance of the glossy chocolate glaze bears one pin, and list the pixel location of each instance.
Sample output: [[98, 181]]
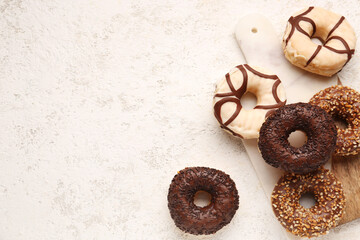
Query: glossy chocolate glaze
[[202, 220], [314, 121]]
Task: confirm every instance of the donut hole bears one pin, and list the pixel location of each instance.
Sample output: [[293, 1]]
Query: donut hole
[[340, 122], [297, 138], [317, 41], [307, 200], [254, 30], [202, 199], [248, 101]]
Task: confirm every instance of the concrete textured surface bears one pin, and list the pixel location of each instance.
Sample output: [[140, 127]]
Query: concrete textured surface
[[102, 102]]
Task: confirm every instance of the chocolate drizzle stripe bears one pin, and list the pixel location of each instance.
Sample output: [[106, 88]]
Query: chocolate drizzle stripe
[[291, 31], [336, 26], [295, 24], [241, 91], [219, 104], [294, 21], [278, 104], [314, 55], [309, 20], [348, 51], [274, 90], [307, 11], [235, 96], [229, 94], [237, 93], [352, 51], [232, 132], [260, 74], [228, 80], [236, 113]]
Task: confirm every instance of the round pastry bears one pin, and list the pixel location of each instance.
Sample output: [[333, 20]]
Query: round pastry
[[314, 221], [334, 31], [228, 110], [319, 128], [342, 103], [202, 220]]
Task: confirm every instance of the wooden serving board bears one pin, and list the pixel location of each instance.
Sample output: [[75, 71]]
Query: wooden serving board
[[261, 46], [347, 170]]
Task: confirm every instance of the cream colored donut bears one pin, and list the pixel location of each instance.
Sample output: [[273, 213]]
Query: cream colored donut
[[333, 30], [228, 110]]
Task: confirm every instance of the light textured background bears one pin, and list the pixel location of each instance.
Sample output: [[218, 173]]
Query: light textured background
[[102, 102]]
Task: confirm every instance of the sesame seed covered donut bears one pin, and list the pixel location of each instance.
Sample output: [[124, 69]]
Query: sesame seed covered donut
[[342, 103], [314, 221], [233, 118], [202, 220], [333, 30], [319, 128]]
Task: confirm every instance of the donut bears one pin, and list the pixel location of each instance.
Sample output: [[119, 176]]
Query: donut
[[342, 103], [314, 221], [202, 220], [334, 31], [228, 110], [319, 128]]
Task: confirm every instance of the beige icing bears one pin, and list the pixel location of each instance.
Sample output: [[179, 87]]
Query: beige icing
[[248, 122], [300, 48]]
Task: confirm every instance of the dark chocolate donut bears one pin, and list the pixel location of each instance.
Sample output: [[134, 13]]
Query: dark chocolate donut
[[202, 220], [319, 128]]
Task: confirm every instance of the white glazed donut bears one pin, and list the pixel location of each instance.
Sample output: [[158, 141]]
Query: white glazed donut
[[333, 30], [228, 110]]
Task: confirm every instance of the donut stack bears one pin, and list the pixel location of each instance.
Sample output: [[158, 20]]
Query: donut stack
[[303, 167]]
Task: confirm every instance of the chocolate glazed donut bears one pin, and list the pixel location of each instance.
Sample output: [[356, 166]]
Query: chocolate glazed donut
[[319, 128], [343, 103], [314, 221], [202, 220]]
